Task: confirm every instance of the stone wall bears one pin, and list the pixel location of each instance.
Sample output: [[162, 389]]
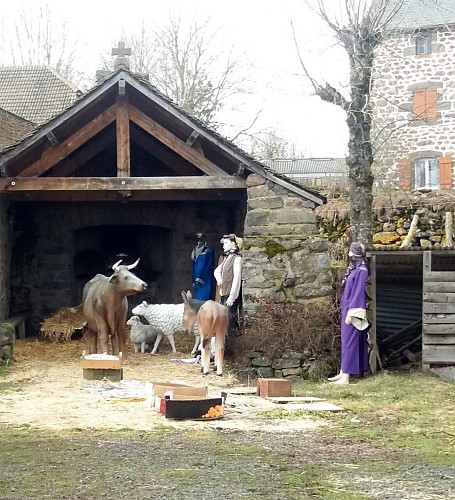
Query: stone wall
[[398, 72], [284, 258]]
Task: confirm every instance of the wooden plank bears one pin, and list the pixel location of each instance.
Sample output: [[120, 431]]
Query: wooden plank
[[218, 195], [439, 329], [374, 356], [439, 297], [438, 355], [439, 276], [435, 308], [57, 154], [294, 399], [439, 318], [438, 339], [123, 139], [174, 143], [119, 183], [439, 286]]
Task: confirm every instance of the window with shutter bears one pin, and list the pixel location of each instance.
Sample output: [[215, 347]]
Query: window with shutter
[[424, 104]]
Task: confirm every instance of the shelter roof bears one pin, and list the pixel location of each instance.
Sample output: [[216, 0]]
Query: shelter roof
[[151, 111], [35, 93]]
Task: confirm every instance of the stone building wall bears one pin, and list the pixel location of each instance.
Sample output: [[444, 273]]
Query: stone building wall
[[285, 259], [398, 72]]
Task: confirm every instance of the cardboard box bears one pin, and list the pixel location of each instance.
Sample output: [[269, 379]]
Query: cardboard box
[[273, 387], [179, 390]]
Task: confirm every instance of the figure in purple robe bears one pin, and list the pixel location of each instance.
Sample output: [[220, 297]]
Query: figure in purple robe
[[203, 259], [354, 345]]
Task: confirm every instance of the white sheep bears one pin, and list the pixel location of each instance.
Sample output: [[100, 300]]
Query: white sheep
[[141, 334], [165, 319]]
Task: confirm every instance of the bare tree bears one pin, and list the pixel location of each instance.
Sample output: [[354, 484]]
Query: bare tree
[[270, 145], [359, 28], [36, 37], [187, 64]]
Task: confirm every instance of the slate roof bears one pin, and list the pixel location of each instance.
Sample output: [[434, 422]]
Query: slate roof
[[308, 166], [424, 14], [35, 93]]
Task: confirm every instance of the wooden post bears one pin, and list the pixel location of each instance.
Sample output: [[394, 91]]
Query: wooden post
[[449, 230], [411, 233], [374, 353]]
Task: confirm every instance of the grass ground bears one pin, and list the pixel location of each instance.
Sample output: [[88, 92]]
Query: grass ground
[[396, 440]]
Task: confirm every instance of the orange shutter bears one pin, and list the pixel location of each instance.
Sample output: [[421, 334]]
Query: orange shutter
[[424, 104], [445, 172], [404, 171], [431, 96]]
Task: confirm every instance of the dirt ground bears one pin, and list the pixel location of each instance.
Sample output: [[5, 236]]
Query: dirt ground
[[54, 394]]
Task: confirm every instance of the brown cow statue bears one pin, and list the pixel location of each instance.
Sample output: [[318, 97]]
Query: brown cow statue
[[106, 306]]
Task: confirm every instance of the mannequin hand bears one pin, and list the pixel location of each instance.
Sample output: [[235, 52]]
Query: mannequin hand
[[348, 320], [229, 302], [199, 281]]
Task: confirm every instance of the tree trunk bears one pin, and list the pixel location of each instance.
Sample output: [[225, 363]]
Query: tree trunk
[[360, 157]]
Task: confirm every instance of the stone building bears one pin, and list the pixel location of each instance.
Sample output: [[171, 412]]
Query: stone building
[[414, 98], [123, 173]]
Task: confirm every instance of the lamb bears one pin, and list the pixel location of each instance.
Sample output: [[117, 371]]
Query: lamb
[[165, 319], [141, 334]]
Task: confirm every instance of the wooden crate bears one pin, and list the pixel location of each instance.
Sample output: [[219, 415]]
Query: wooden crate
[[273, 387]]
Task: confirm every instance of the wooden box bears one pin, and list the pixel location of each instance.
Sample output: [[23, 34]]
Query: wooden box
[[99, 369], [273, 387]]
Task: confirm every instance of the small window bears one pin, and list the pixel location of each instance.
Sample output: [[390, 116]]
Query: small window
[[426, 174], [423, 43]]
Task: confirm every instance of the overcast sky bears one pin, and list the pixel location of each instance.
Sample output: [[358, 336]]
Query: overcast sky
[[259, 30]]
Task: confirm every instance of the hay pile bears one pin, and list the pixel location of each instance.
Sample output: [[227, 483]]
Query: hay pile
[[60, 327]]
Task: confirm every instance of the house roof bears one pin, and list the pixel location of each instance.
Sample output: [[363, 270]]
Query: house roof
[[415, 14], [169, 118], [307, 166], [35, 93]]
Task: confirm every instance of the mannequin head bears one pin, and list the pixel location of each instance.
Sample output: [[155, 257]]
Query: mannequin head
[[231, 243], [200, 239], [356, 253]]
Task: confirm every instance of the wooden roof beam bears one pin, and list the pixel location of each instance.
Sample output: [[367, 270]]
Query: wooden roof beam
[[85, 154], [123, 137], [60, 152], [174, 143], [119, 184], [162, 153]]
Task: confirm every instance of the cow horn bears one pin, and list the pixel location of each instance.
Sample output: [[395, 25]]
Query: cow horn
[[114, 267], [132, 266]]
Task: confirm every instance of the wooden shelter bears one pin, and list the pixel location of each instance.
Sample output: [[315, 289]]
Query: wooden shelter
[[121, 173], [412, 307]]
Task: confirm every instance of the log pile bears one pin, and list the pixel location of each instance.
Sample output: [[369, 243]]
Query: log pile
[[403, 348]]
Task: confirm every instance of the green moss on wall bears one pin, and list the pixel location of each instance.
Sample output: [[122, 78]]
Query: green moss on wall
[[273, 248]]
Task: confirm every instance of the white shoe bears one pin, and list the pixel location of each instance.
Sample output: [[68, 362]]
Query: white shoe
[[343, 380], [336, 377]]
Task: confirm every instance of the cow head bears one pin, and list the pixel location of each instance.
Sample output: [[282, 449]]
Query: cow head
[[125, 280]]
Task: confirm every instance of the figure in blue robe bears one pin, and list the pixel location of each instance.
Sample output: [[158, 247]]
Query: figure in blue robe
[[203, 259]]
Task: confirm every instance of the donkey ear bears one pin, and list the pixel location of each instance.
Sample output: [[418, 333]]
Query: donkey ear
[[184, 297], [189, 294]]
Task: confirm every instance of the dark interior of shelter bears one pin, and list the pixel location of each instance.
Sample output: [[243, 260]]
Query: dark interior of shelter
[[58, 247], [399, 299]]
